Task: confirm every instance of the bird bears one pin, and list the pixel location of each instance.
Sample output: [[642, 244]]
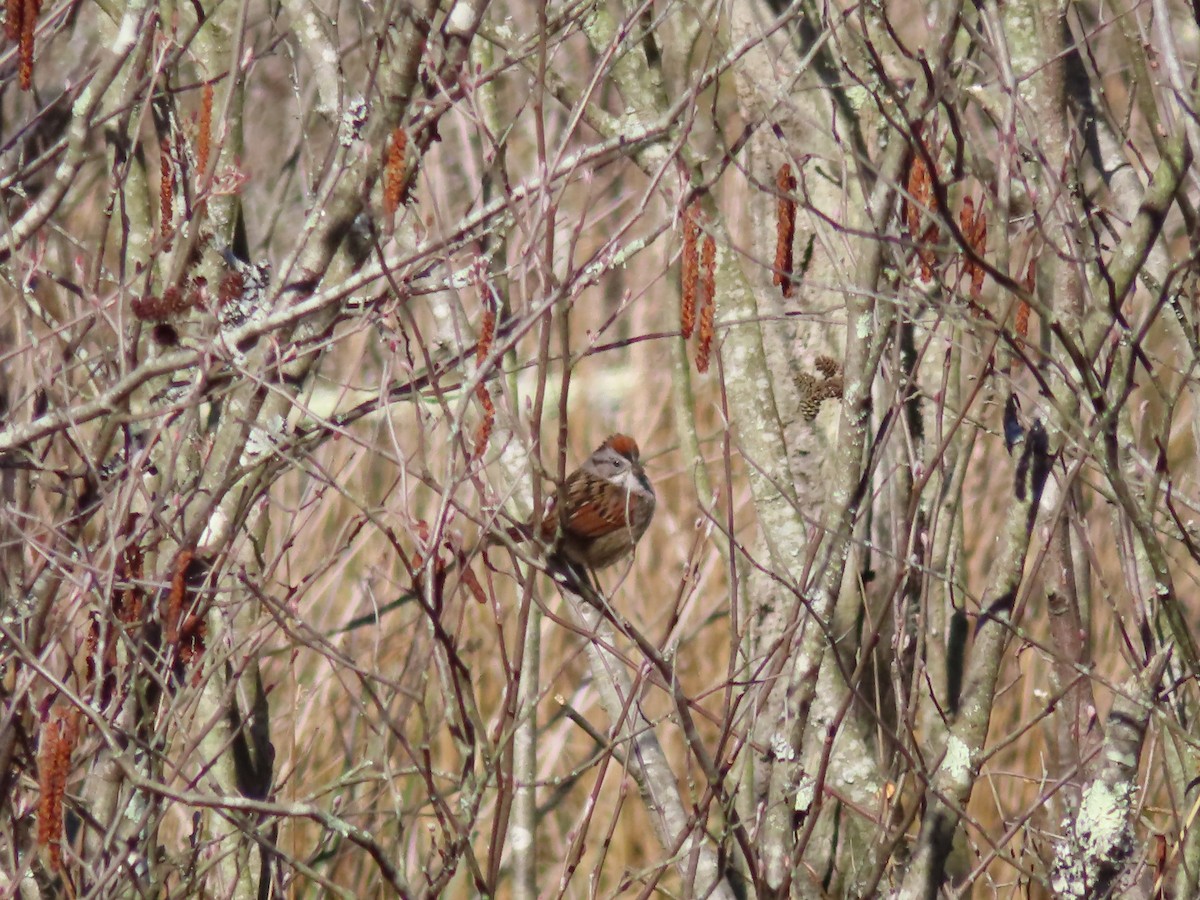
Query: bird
[[1014, 431], [602, 510]]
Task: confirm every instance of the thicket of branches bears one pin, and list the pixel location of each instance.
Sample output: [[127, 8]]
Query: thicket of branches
[[302, 302]]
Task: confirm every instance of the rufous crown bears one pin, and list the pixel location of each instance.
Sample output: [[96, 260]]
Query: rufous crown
[[623, 444]]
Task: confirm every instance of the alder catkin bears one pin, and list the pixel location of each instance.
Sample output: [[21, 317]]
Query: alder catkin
[[708, 268], [487, 333], [166, 188], [708, 309], [690, 269], [919, 201], [59, 734], [484, 430], [204, 137], [974, 229], [25, 24], [175, 597], [785, 230], [394, 171], [13, 13]]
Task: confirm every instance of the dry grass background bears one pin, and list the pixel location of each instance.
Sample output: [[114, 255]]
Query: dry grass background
[[360, 714]]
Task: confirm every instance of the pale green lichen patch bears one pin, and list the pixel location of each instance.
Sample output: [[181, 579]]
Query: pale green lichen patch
[[862, 326], [1096, 844], [805, 791], [957, 761]]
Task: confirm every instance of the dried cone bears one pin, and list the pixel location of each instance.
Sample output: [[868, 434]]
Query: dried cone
[[785, 230], [812, 391], [828, 366], [690, 270], [394, 172], [808, 390], [832, 388], [58, 738]]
